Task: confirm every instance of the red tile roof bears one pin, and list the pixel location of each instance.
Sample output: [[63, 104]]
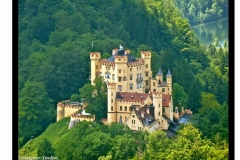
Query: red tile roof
[[139, 97], [132, 96], [166, 98]]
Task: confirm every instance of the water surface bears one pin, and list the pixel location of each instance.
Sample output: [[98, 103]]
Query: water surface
[[207, 32]]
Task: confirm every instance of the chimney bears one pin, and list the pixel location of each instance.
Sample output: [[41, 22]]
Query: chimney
[[176, 109], [114, 51]]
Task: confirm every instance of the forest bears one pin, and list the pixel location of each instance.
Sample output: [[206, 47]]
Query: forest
[[55, 38], [200, 11]]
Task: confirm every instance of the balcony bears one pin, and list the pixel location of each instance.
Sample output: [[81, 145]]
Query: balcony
[[139, 79]]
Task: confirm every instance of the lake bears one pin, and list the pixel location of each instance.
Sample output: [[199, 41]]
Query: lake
[[208, 31]]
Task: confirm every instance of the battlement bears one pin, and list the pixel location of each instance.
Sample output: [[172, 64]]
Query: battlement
[[111, 85], [107, 63], [157, 94], [146, 54], [140, 62], [95, 55], [68, 105], [121, 59]]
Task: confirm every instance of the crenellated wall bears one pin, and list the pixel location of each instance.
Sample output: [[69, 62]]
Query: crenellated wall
[[66, 110]]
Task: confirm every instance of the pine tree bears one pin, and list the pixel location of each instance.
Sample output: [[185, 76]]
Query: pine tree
[[45, 149]]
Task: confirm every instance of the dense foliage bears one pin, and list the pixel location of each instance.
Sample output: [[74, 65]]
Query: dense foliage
[[92, 141], [55, 38], [199, 11]]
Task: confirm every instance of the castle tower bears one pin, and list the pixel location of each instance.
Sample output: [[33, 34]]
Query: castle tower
[[159, 76], [157, 103], [95, 67], [147, 72], [121, 60], [112, 115], [169, 81], [60, 111]]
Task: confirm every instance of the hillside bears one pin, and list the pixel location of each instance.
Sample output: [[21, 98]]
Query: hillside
[[52, 133], [91, 141], [55, 38]]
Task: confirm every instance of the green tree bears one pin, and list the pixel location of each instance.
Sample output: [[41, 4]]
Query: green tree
[[179, 95], [157, 146], [75, 98], [35, 110], [45, 149], [194, 97], [96, 98], [124, 147], [94, 145]]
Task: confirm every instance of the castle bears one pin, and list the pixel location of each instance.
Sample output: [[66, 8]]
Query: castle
[[135, 98]]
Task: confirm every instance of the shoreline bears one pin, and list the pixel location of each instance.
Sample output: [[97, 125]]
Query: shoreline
[[199, 24]]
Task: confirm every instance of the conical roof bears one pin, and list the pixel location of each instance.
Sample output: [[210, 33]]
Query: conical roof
[[169, 73], [159, 71]]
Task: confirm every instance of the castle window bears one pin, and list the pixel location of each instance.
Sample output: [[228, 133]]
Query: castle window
[[130, 76], [120, 108], [119, 79], [96, 66], [125, 109], [130, 69], [113, 76], [168, 89], [137, 68], [163, 90], [154, 90], [153, 83], [137, 85], [125, 118], [163, 110], [133, 121], [107, 75], [124, 78], [119, 71], [159, 113], [146, 65], [159, 105], [112, 94], [146, 82], [140, 85], [131, 86], [111, 108], [112, 100], [120, 87], [100, 73], [146, 74]]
